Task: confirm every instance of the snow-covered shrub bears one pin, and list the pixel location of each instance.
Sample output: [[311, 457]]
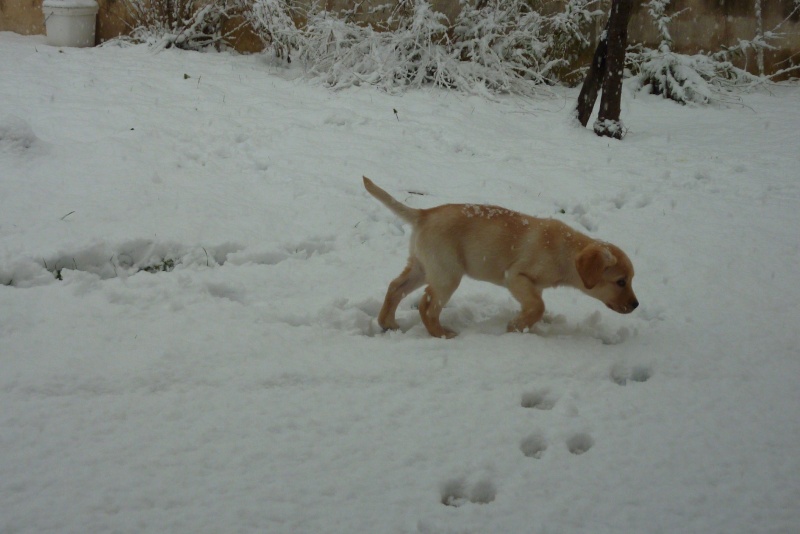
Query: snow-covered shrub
[[699, 78], [185, 24], [501, 45], [569, 36], [421, 47], [413, 48], [516, 42], [504, 46], [344, 53], [274, 22]]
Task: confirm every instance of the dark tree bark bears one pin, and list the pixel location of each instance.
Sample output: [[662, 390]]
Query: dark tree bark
[[594, 78], [606, 72]]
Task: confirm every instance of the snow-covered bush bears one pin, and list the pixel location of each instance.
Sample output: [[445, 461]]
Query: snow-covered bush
[[274, 22], [699, 78], [343, 53], [569, 36], [501, 45], [415, 52], [421, 47], [185, 24], [504, 46]]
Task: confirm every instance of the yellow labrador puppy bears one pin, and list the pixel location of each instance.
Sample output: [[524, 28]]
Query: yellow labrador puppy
[[522, 253]]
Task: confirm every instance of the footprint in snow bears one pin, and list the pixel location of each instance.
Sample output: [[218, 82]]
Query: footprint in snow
[[534, 445], [621, 374], [303, 250], [540, 399], [580, 443], [456, 492], [311, 247]]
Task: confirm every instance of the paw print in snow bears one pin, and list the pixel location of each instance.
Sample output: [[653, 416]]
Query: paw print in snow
[[455, 492]]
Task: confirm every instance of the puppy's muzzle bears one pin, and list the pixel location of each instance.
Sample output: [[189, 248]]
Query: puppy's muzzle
[[624, 308]]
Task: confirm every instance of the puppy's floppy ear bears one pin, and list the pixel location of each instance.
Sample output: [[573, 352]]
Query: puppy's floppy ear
[[591, 262]]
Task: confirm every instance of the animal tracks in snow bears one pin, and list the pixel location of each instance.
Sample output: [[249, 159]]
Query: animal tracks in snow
[[127, 258], [189, 277], [580, 443], [356, 318], [584, 214], [303, 250], [622, 374], [457, 492], [540, 403], [538, 399], [535, 444]]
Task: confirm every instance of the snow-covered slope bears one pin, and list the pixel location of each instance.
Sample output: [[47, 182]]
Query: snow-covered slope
[[209, 360]]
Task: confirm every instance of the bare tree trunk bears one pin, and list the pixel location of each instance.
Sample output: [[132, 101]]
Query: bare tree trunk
[[608, 123], [606, 72], [594, 78], [760, 37]]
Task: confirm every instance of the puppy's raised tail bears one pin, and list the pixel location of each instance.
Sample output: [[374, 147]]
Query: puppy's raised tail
[[407, 213]]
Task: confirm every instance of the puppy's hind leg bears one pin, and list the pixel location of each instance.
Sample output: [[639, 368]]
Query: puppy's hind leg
[[431, 304], [412, 278]]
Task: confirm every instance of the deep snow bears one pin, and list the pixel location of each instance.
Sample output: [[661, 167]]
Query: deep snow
[[243, 385]]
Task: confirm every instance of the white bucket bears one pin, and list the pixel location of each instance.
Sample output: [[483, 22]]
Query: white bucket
[[70, 22]]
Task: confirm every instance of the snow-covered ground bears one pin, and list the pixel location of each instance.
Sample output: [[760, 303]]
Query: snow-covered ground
[[210, 359]]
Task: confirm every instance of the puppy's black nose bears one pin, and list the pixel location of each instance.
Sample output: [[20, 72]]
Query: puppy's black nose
[[634, 304]]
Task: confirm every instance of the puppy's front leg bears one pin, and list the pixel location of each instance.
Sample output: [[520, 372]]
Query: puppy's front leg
[[530, 297]]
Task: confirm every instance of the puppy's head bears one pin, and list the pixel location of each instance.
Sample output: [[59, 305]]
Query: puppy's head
[[607, 275]]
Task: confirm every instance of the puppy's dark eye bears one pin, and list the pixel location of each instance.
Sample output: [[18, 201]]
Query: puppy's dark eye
[[621, 282]]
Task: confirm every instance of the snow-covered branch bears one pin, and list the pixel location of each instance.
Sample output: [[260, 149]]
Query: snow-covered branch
[[187, 24]]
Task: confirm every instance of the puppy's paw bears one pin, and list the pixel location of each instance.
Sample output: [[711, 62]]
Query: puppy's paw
[[442, 333], [389, 324], [514, 326]]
